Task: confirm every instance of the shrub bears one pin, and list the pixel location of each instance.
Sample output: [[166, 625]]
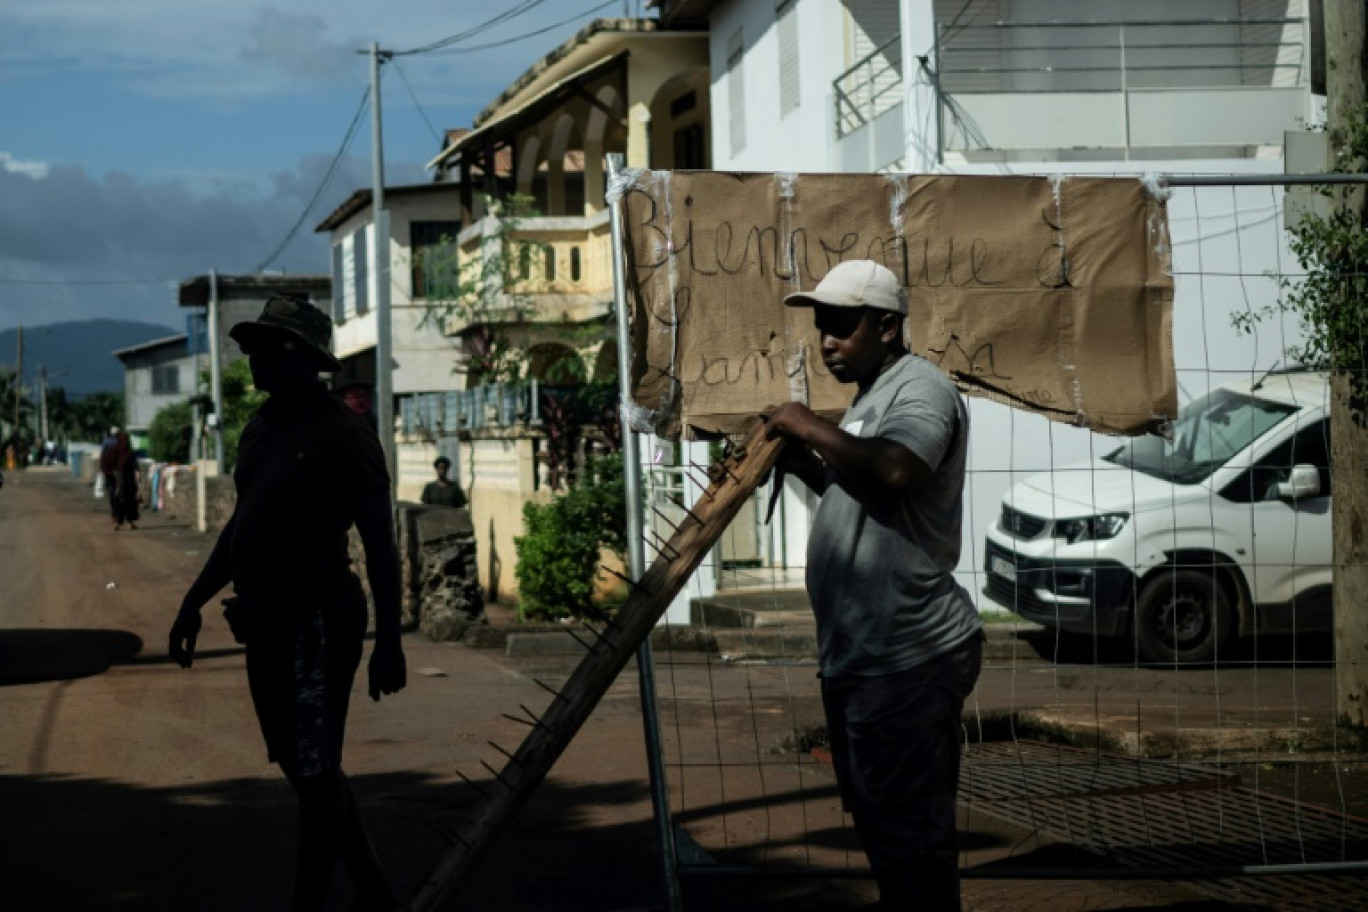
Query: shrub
[[558, 554], [168, 437]]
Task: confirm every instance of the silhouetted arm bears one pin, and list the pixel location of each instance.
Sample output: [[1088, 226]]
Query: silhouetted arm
[[375, 523], [216, 573]]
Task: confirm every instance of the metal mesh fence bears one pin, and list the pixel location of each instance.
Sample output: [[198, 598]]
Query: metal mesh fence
[[1158, 692]]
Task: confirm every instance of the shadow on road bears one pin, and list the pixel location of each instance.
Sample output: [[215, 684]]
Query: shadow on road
[[68, 843], [29, 656]]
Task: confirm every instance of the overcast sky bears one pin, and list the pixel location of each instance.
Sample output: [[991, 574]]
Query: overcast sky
[[146, 141]]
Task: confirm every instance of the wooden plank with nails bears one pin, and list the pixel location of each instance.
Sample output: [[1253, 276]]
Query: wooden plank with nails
[[732, 482]]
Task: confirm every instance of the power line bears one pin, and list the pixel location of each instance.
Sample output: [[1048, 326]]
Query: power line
[[506, 15], [436, 134], [541, 31], [323, 184], [87, 281]]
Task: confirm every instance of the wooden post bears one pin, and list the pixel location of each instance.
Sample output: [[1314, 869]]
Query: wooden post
[[608, 651], [1345, 73]]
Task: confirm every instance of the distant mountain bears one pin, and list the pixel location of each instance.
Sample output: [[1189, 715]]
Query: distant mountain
[[78, 355]]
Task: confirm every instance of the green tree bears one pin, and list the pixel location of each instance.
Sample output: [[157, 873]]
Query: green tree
[[240, 402], [168, 437]]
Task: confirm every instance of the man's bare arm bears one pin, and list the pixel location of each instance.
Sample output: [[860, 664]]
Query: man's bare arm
[[867, 466]]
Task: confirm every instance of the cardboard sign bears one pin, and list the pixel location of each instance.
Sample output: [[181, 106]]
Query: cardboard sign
[[1051, 295]]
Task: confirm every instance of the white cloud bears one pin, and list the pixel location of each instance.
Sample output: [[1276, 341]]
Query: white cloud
[[34, 169]]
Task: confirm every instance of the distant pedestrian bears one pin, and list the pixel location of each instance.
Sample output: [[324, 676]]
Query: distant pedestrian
[[104, 481], [443, 492], [308, 469], [123, 499]]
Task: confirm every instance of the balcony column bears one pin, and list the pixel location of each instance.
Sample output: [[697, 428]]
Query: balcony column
[[639, 135], [555, 186], [921, 101], [593, 176]]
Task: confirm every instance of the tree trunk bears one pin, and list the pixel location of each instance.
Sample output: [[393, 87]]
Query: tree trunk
[[1345, 72]]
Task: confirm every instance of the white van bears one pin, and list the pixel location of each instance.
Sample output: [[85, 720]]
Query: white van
[[1181, 544]]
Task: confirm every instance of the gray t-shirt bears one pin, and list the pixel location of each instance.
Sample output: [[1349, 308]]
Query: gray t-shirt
[[880, 575]]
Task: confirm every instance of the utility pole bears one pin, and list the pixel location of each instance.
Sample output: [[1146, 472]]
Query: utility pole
[[1345, 97], [215, 370], [42, 403], [18, 390], [380, 237]]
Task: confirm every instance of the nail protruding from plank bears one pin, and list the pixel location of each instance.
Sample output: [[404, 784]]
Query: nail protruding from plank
[[472, 783], [549, 689], [636, 586], [496, 775], [504, 752], [536, 719], [588, 646]]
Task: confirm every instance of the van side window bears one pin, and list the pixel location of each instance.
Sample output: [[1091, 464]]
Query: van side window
[[1310, 446]]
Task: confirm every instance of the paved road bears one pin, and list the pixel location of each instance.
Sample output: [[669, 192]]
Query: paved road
[[127, 783]]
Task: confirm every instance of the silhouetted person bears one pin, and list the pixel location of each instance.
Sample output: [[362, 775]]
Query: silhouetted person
[[308, 469], [123, 496], [443, 492], [106, 481]]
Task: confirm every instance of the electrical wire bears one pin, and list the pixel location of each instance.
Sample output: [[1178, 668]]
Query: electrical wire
[[323, 184], [471, 32], [541, 31], [436, 134]]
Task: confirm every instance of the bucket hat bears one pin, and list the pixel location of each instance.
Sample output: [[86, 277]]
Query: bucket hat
[[292, 318], [855, 283]]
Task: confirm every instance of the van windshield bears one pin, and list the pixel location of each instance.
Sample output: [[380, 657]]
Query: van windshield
[[1208, 432]]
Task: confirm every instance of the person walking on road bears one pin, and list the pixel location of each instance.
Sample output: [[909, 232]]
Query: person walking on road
[[123, 495], [308, 469], [104, 480], [899, 641], [443, 492]]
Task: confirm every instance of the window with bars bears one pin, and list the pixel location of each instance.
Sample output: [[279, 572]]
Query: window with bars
[[360, 272], [790, 92], [434, 269], [736, 91], [165, 379], [339, 283]]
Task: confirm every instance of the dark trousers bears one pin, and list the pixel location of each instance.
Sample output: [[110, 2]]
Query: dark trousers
[[895, 744]]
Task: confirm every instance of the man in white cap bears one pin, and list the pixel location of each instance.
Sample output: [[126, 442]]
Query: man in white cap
[[899, 640]]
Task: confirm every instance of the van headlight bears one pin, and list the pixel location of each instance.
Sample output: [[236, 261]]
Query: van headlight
[[1091, 528]]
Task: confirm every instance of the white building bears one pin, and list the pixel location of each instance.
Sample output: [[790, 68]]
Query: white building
[[156, 374], [1033, 87]]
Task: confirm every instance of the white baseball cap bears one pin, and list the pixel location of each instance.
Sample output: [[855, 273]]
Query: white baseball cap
[[855, 283]]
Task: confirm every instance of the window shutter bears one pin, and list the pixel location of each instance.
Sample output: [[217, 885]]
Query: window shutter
[[361, 276], [789, 84], [736, 91], [339, 284]]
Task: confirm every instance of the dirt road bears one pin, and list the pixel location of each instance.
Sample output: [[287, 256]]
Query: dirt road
[[127, 783]]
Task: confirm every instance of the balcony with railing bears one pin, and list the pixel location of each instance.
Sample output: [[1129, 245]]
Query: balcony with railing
[[1173, 88], [869, 105], [556, 269]]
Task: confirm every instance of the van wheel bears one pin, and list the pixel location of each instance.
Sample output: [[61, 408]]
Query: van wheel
[[1183, 617]]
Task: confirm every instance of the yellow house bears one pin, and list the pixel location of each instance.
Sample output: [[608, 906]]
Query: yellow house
[[619, 85]]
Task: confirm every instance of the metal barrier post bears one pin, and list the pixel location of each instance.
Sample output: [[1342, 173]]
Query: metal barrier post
[[636, 562]]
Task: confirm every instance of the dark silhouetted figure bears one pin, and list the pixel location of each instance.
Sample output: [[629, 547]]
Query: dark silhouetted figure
[[308, 469], [443, 492], [899, 641], [123, 496]]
